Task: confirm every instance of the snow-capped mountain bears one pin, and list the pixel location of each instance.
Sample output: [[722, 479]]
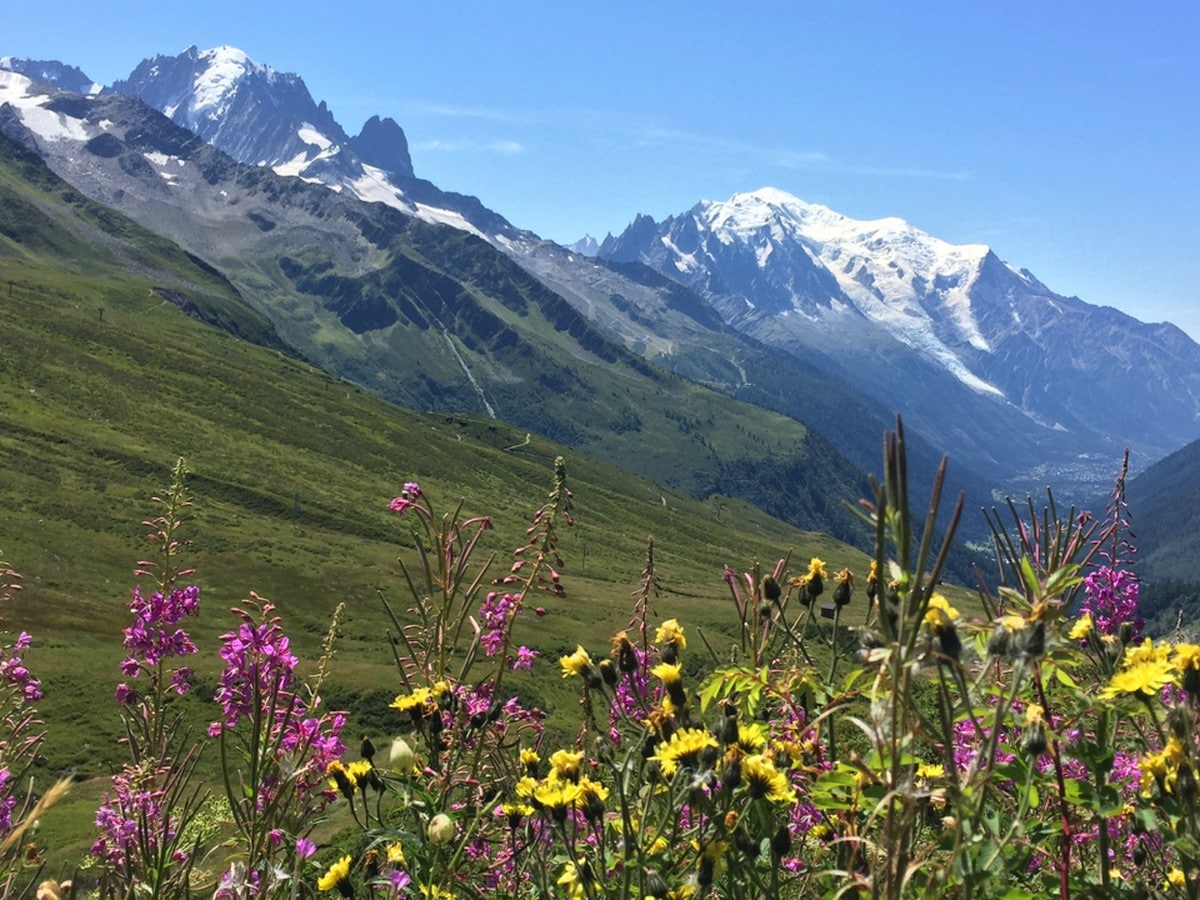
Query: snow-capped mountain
[[267, 118], [937, 329], [259, 115], [69, 78]]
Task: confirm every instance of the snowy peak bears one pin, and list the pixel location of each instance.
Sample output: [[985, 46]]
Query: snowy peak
[[51, 71], [911, 309], [250, 111]]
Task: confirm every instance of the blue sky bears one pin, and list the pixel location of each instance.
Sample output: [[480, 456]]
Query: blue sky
[[1066, 135]]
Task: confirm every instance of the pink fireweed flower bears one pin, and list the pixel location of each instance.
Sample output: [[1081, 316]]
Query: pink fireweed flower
[[496, 611], [1111, 599], [14, 672], [524, 659], [153, 636], [258, 663], [409, 494]]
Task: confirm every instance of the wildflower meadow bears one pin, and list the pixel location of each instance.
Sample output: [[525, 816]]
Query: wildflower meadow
[[1020, 738]]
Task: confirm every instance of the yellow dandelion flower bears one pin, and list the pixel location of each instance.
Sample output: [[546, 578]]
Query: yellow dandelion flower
[[556, 796], [1035, 715], [575, 663], [671, 632], [659, 845], [417, 700], [762, 779], [526, 786], [816, 569], [514, 813], [341, 779], [358, 770], [395, 854], [1175, 879], [1162, 767], [752, 737], [667, 673], [564, 764], [1082, 628], [1187, 656], [1011, 623], [940, 614], [577, 879], [930, 770], [1145, 670], [337, 878], [683, 749]]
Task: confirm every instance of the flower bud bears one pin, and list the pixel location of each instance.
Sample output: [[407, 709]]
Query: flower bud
[[745, 843], [1000, 643], [1033, 741], [771, 589], [1185, 783], [401, 757], [1030, 641], [441, 829], [781, 842], [947, 642], [608, 672], [727, 730]]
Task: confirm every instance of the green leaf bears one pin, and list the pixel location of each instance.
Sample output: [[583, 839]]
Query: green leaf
[[1029, 576], [1064, 678]]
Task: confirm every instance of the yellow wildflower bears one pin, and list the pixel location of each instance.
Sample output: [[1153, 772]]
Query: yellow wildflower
[[930, 770], [762, 779], [395, 854], [1012, 623], [1146, 670], [526, 786], [575, 663], [751, 737], [1187, 656], [564, 764], [415, 701], [683, 749], [337, 878], [816, 569], [556, 796], [940, 615], [1082, 628], [668, 673], [671, 632], [1161, 768]]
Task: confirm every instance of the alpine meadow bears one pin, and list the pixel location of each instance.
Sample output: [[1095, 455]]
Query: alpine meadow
[[357, 542]]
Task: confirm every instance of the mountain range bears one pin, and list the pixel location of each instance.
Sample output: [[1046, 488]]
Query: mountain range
[[764, 298]]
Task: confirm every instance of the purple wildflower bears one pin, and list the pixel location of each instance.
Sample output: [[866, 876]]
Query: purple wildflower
[[525, 658], [409, 495], [496, 612], [1112, 599]]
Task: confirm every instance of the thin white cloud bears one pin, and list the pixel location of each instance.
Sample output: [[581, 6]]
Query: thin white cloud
[[906, 172], [451, 111], [503, 147]]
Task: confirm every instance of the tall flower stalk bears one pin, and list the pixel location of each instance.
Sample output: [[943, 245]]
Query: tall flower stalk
[[143, 845]]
